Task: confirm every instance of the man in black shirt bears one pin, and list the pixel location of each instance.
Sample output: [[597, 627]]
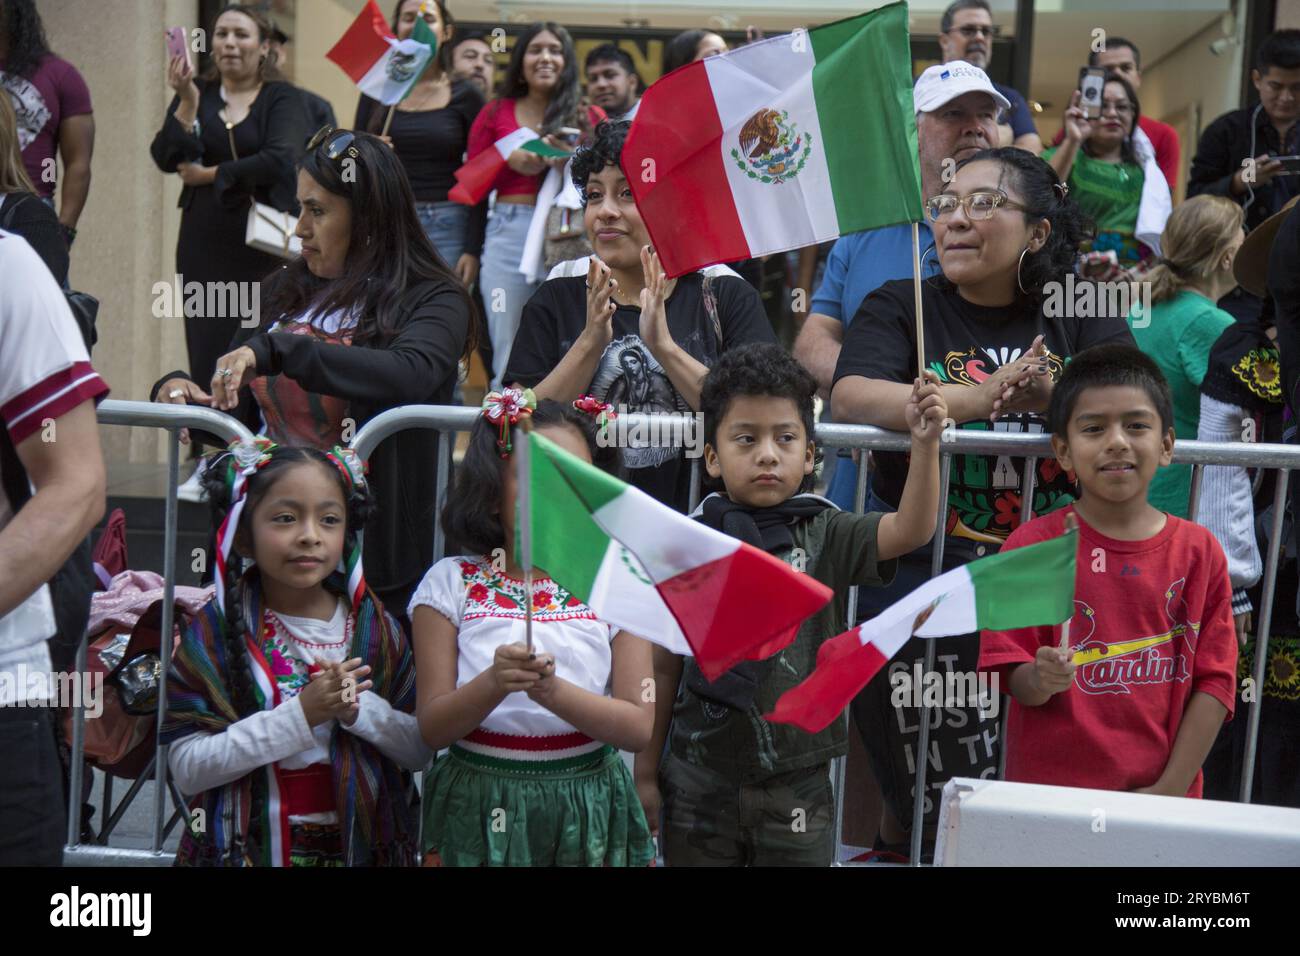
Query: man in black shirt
[[319, 111], [1236, 154]]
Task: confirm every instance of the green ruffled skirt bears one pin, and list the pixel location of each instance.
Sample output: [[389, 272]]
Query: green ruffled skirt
[[478, 814]]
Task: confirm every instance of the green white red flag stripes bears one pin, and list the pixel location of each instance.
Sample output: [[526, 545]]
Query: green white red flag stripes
[[474, 179], [783, 143], [1024, 587], [654, 572], [382, 66]]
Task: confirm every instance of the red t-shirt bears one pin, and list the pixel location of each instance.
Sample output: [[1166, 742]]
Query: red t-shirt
[[1164, 139], [1152, 625], [54, 93], [496, 120]]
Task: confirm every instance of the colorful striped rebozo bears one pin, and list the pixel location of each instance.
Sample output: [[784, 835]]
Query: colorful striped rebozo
[[562, 753]]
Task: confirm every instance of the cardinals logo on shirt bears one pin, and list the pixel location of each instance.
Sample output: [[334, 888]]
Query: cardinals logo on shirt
[[1154, 659]]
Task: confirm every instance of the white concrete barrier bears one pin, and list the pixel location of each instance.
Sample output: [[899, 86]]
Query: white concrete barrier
[[994, 823]]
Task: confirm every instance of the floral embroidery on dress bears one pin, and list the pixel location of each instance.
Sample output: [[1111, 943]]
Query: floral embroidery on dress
[[491, 593], [1259, 371]]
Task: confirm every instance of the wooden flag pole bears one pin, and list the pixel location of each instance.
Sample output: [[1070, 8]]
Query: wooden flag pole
[[525, 518], [1071, 524], [388, 120], [916, 291]]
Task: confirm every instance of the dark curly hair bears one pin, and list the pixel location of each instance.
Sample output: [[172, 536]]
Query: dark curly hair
[[388, 250], [1108, 365], [758, 369], [1039, 190], [605, 149], [283, 457], [24, 36], [471, 517]]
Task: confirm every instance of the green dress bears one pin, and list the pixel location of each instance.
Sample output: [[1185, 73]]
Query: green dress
[[1110, 194], [1178, 336]]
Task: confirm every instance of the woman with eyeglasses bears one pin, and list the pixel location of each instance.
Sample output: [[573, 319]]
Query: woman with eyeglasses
[[1006, 232], [429, 132], [232, 136], [540, 91], [366, 319], [1109, 164]]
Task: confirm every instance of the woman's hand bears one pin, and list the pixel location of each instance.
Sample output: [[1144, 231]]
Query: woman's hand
[[1241, 623], [654, 319], [526, 163], [601, 286], [196, 174], [234, 370], [1077, 125], [180, 77], [557, 162], [466, 269], [926, 410], [652, 801], [1033, 389], [181, 391]]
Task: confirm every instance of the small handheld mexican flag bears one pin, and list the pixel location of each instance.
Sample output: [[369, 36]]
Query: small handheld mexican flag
[[654, 572], [382, 66], [1024, 587], [783, 143], [474, 179]]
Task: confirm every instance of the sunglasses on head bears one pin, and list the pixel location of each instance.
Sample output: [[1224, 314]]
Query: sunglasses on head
[[338, 143]]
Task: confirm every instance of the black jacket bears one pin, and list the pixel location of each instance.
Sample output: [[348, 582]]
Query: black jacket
[[417, 366], [1224, 144], [268, 174]]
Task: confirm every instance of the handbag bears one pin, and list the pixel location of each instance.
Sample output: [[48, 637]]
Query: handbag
[[268, 230], [565, 238]]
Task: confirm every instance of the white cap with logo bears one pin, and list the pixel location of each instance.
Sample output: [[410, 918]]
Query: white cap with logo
[[944, 82]]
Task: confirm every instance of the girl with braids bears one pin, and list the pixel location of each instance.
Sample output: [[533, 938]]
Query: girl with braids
[[532, 776], [289, 703], [540, 91], [1006, 230]]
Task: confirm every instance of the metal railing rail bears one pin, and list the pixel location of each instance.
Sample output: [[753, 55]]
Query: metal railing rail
[[172, 418], [449, 420]]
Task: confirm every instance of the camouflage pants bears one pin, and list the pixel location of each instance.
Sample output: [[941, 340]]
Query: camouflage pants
[[712, 820]]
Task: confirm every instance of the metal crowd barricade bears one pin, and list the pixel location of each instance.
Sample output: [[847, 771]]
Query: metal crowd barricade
[[449, 420], [172, 418]]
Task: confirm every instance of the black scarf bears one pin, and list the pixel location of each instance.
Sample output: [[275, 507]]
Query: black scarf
[[767, 529]]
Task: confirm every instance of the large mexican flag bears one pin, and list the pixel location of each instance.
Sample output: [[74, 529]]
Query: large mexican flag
[[654, 572], [780, 144], [1024, 587]]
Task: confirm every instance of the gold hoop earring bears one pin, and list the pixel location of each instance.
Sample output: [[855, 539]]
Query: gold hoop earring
[[1019, 264]]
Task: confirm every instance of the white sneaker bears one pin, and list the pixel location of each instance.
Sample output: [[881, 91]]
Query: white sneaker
[[192, 488]]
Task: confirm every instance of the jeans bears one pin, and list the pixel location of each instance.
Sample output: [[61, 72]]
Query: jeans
[[31, 789], [503, 286], [445, 224]]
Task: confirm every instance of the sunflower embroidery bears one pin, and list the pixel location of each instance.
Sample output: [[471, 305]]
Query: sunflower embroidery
[[1259, 371]]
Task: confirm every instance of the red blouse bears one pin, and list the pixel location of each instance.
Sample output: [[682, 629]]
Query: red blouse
[[496, 120]]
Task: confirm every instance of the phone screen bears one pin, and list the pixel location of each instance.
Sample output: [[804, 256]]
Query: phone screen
[[1092, 83]]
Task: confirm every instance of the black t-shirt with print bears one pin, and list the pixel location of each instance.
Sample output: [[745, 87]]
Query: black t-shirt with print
[[628, 374], [965, 344]]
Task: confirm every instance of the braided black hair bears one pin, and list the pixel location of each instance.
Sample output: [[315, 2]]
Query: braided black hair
[[1044, 196], [234, 626], [471, 517]]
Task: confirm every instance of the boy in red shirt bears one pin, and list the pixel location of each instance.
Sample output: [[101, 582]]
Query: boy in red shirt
[[1150, 675]]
